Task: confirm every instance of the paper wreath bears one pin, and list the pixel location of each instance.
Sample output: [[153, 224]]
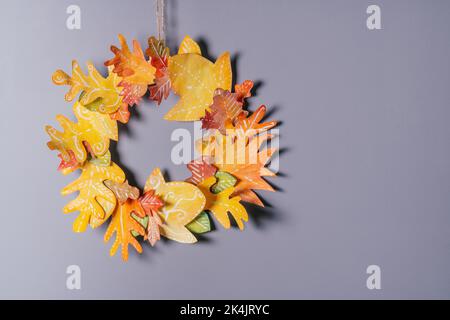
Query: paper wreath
[[176, 210]]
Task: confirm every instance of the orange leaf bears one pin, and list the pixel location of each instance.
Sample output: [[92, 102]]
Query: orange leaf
[[122, 224], [151, 204], [122, 115], [251, 126]]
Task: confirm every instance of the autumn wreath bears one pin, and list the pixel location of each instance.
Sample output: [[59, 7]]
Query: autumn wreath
[[176, 210]]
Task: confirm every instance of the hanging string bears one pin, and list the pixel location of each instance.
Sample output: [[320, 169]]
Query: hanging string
[[160, 20]]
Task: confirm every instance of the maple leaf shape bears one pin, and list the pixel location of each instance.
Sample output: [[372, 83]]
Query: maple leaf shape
[[195, 78], [251, 126], [101, 94], [131, 66], [151, 204], [246, 162], [182, 203], [159, 54], [91, 188], [122, 191], [200, 169], [92, 127], [122, 224], [220, 204]]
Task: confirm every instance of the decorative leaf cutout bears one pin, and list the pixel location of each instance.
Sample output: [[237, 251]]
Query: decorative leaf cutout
[[100, 94], [224, 181], [91, 188], [159, 54], [201, 224], [122, 191], [131, 66], [220, 204], [122, 223], [200, 170], [195, 79], [92, 127], [247, 163], [227, 107], [182, 203], [251, 126], [151, 204], [122, 115]]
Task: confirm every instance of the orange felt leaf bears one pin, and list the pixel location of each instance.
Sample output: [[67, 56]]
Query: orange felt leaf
[[243, 159], [122, 223], [131, 66], [200, 169]]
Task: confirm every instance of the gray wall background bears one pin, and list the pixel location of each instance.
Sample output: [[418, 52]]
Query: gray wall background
[[366, 174]]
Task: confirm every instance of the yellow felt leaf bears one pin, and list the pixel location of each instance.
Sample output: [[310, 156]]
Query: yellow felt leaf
[[123, 224], [220, 204], [104, 91], [189, 46], [94, 201], [195, 78], [92, 127], [182, 203]]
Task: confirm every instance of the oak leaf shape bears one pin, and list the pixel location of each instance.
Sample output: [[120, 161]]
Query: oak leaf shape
[[98, 93], [94, 201], [122, 224], [93, 128], [220, 204]]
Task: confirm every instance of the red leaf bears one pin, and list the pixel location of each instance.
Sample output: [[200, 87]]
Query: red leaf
[[201, 170]]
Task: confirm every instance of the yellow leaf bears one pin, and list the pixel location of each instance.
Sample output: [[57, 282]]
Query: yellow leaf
[[220, 204], [92, 127], [195, 78], [95, 201], [123, 223], [189, 46], [104, 92], [182, 203]]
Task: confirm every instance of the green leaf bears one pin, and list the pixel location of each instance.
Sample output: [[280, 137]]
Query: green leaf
[[142, 221], [200, 224], [224, 181]]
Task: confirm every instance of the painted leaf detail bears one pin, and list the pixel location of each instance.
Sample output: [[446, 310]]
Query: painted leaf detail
[[247, 164], [94, 201], [92, 127], [220, 204], [182, 203], [122, 115], [122, 191], [131, 66], [69, 166], [159, 54], [102, 161], [200, 170], [251, 126], [201, 224], [99, 94], [224, 181], [122, 224], [151, 204], [195, 78]]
